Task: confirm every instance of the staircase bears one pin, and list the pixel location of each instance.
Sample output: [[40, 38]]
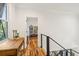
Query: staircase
[[46, 43], [33, 49]]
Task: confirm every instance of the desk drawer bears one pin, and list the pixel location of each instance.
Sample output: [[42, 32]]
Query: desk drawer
[[12, 52]]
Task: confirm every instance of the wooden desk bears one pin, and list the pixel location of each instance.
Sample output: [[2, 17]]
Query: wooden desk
[[11, 47]]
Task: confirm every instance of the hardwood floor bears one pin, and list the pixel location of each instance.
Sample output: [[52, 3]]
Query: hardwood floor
[[33, 49]]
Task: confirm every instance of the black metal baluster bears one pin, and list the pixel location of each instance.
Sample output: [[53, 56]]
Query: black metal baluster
[[62, 53], [66, 52], [71, 54], [48, 50], [41, 41]]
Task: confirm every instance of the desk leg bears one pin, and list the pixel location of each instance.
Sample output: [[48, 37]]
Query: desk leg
[[24, 48], [17, 52]]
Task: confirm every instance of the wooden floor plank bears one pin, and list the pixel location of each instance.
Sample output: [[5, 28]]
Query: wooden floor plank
[[33, 49]]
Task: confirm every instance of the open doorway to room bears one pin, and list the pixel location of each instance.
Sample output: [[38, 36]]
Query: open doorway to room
[[32, 28]]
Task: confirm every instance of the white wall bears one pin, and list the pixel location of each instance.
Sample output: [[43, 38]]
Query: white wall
[[21, 16], [32, 21], [63, 27], [11, 19]]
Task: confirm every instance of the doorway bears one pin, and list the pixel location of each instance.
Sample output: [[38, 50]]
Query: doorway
[[32, 28]]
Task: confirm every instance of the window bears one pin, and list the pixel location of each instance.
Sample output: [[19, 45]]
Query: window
[[3, 21]]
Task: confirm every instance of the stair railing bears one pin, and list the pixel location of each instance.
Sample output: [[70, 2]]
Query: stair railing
[[68, 52]]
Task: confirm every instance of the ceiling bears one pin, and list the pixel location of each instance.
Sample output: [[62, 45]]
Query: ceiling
[[70, 7]]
